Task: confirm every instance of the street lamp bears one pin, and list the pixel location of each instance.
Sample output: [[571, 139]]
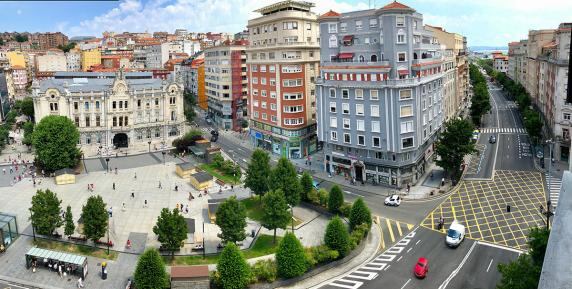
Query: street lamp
[[204, 249], [149, 143], [107, 162], [32, 219], [164, 153], [548, 213], [108, 219]]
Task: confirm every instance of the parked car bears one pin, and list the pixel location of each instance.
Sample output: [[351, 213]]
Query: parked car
[[393, 200], [421, 268], [492, 139]]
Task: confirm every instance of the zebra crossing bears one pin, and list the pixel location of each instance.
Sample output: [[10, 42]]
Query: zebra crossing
[[554, 184], [503, 130], [371, 270]]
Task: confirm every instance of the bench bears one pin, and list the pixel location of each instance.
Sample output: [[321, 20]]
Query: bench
[[82, 239], [99, 242], [219, 182]]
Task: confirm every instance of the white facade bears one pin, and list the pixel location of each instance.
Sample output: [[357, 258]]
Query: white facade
[[73, 60], [156, 56], [52, 61]]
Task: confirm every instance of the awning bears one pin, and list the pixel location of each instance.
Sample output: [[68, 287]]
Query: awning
[[346, 55], [348, 38], [403, 72]]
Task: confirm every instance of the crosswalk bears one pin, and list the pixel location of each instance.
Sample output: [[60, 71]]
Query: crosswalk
[[554, 184], [503, 130]]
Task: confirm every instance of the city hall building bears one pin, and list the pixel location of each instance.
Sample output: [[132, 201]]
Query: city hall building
[[114, 110]]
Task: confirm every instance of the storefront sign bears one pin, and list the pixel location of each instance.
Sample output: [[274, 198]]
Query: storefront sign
[[338, 154], [257, 135]]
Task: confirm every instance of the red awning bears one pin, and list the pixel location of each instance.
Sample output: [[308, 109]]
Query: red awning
[[346, 55], [348, 38], [403, 72]]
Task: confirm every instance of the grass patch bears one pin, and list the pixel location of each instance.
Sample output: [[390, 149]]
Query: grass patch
[[75, 249], [219, 175], [254, 211], [262, 247]]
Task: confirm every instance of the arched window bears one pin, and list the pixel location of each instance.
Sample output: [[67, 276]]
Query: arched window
[[333, 41], [374, 58], [361, 58]]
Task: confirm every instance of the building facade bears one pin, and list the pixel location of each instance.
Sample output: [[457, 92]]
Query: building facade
[[114, 110], [16, 58], [198, 82], [73, 60], [536, 40], [517, 58], [380, 96], [51, 61], [283, 61], [18, 78], [500, 63], [226, 83], [90, 58], [156, 56]]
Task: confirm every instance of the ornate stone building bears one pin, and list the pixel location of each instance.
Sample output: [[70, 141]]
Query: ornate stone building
[[114, 110]]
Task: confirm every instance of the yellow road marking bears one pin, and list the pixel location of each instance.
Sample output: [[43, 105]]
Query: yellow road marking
[[390, 230], [453, 209], [409, 226], [474, 212], [382, 243], [432, 222], [399, 228]]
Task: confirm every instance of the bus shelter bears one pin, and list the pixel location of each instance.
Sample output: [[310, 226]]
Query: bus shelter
[[8, 231], [46, 258]]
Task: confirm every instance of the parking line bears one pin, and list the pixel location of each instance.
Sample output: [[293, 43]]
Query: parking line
[[399, 228], [474, 212], [453, 209], [432, 222], [390, 230]]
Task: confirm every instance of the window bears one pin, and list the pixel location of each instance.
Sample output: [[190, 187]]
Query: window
[[400, 21], [87, 123], [359, 109], [263, 93], [333, 28], [262, 68], [359, 93], [374, 110], [376, 141], [86, 105], [114, 105], [77, 121], [346, 123], [292, 82], [345, 108], [567, 116], [264, 116], [407, 143], [405, 94], [255, 114], [373, 22], [114, 121], [263, 80], [292, 96], [290, 25], [255, 80], [333, 41], [347, 138], [332, 92], [333, 107], [263, 105], [273, 118], [360, 125], [273, 94], [345, 94], [373, 94], [139, 103], [361, 140], [333, 121], [255, 103], [375, 126], [291, 68], [273, 106], [272, 81], [343, 27], [254, 68], [401, 57], [308, 26], [359, 25], [407, 126], [156, 101], [406, 110], [97, 120], [334, 135], [401, 36], [293, 108], [272, 68]]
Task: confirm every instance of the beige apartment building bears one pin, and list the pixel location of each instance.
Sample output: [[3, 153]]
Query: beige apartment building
[[283, 64], [536, 40], [53, 60], [517, 61]]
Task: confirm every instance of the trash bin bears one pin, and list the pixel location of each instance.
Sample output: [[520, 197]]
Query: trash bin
[[104, 270]]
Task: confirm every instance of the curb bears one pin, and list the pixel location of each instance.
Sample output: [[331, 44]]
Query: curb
[[24, 283]]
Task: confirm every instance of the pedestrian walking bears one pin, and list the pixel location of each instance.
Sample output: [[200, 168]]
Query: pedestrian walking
[[232, 188], [186, 209], [176, 188], [135, 176], [110, 211], [132, 195], [442, 181], [160, 186], [60, 271], [11, 169], [181, 207], [123, 207], [145, 204], [4, 171], [80, 282], [114, 186]]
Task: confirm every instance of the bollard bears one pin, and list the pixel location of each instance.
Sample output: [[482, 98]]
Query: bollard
[[508, 208]]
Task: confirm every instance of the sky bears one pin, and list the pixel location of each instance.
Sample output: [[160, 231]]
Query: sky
[[484, 22]]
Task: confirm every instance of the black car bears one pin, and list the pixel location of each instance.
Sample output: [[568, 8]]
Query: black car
[[492, 139]]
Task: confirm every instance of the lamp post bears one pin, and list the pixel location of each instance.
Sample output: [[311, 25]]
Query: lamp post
[[149, 143], [100, 150], [32, 219], [107, 162], [108, 219], [164, 153], [204, 249]]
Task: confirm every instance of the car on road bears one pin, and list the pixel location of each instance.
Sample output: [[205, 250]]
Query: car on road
[[492, 139], [393, 200], [421, 268], [455, 234], [476, 134]]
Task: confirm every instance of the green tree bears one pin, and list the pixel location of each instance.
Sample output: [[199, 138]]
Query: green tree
[[20, 38], [27, 107], [189, 106], [307, 185], [453, 144], [150, 272], [28, 133], [66, 48], [232, 267], [55, 139], [95, 218], [231, 218], [337, 236], [519, 274], [276, 215], [290, 257], [171, 230], [69, 226], [46, 212], [533, 124], [335, 199], [538, 242], [359, 214], [283, 177], [258, 172]]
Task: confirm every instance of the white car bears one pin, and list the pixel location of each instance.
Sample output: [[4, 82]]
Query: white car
[[455, 234], [393, 200]]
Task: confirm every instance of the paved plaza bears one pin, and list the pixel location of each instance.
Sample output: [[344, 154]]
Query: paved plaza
[[482, 207]]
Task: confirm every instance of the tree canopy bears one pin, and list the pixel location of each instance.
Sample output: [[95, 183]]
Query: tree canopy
[[335, 199], [258, 172], [290, 257], [232, 267], [231, 219], [55, 139], [276, 214], [283, 177], [95, 218], [359, 214], [337, 236], [150, 272], [306, 184], [69, 226], [453, 144], [46, 212], [171, 230]]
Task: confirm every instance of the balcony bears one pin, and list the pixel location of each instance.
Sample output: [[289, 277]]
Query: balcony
[[286, 44], [425, 60], [426, 46], [346, 64], [360, 47]]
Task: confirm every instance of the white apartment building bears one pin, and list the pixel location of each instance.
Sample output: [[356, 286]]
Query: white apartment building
[[156, 56], [73, 60], [52, 61]]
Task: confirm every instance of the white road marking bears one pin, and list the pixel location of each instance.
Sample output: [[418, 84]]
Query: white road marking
[[489, 267], [500, 247], [409, 250], [386, 267], [406, 283], [356, 284], [456, 271], [244, 160], [418, 241], [350, 193], [399, 258]]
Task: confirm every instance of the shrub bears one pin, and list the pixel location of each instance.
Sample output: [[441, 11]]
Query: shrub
[[335, 199], [320, 254], [218, 161], [233, 269], [323, 197], [360, 214], [264, 270], [314, 197], [337, 236], [346, 209], [290, 258], [358, 234]]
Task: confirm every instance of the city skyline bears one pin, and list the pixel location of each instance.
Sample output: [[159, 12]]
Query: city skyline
[[92, 18]]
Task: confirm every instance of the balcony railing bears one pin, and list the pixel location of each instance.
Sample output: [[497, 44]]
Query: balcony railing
[[426, 46], [425, 60], [355, 63], [289, 44]]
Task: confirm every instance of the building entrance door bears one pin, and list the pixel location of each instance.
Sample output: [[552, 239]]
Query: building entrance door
[[359, 172], [120, 140]]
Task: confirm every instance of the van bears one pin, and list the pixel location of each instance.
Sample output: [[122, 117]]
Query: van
[[455, 234]]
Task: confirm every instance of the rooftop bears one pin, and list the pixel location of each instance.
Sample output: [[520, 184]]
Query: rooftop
[[396, 5], [77, 83], [286, 5]]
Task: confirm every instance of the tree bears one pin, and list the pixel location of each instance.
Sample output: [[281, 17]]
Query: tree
[[453, 144], [66, 48], [233, 269], [28, 133], [95, 218], [27, 107], [258, 172], [290, 257], [20, 38], [307, 185], [69, 227], [337, 236], [171, 230], [533, 124], [335, 199], [276, 213], [150, 272], [46, 212], [359, 214], [55, 139], [189, 106], [283, 177], [538, 242], [519, 274], [231, 218]]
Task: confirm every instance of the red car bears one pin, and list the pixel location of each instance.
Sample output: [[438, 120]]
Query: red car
[[421, 268]]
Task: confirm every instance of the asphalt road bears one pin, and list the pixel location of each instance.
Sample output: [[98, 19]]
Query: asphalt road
[[4, 285]]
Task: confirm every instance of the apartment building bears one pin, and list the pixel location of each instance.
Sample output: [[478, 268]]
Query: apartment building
[[16, 58], [198, 82], [536, 40], [73, 60], [90, 58], [380, 94], [226, 84], [517, 59], [18, 78], [500, 63], [283, 65], [53, 60], [156, 55]]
